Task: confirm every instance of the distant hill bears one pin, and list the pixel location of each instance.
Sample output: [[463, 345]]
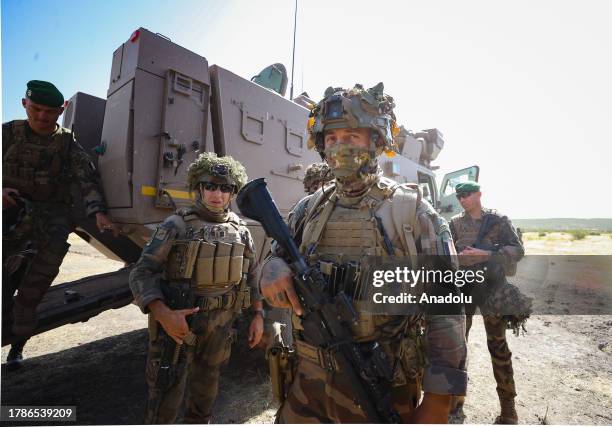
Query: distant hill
[[599, 224]]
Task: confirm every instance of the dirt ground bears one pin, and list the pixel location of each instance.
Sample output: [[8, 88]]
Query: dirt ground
[[563, 364]]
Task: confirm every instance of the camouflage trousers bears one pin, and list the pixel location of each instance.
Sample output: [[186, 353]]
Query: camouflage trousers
[[190, 397], [321, 396], [45, 238], [501, 356]]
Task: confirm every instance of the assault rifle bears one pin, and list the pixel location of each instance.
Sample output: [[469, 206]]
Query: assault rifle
[[173, 358], [326, 319]]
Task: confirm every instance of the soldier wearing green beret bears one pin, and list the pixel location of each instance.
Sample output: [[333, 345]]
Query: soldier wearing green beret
[[41, 160], [482, 236], [194, 277]]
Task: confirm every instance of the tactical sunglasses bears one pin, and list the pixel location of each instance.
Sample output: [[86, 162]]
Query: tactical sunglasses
[[211, 186], [463, 195]]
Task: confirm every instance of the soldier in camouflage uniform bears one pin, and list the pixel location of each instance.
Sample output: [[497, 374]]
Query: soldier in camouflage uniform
[[336, 225], [502, 242], [317, 175], [41, 161], [209, 250]]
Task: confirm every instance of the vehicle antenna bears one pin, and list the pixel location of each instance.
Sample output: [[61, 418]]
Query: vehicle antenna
[[293, 54]]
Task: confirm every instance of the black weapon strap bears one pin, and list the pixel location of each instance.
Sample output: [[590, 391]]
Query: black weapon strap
[[484, 228]]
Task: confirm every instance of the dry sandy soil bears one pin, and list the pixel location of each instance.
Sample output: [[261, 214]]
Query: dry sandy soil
[[563, 364]]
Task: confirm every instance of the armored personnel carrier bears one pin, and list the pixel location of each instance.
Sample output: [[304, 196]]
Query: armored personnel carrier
[[164, 106]]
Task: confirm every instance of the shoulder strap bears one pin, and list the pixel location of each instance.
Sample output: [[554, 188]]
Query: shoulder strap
[[317, 200], [403, 214], [488, 221], [311, 241]]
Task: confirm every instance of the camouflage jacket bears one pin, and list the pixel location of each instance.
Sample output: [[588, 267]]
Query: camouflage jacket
[[444, 336], [152, 269], [501, 234], [47, 176]]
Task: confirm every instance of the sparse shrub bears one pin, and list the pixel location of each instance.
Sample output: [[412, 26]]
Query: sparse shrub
[[541, 234], [577, 234]]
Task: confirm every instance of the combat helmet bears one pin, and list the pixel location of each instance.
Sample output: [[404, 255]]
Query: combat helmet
[[355, 108], [223, 169]]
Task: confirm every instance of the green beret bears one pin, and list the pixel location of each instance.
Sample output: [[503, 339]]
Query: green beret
[[44, 93], [467, 187]]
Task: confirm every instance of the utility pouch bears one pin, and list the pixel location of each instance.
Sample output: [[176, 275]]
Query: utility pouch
[[182, 259], [246, 263], [243, 297], [204, 267], [281, 362], [222, 262], [236, 261]]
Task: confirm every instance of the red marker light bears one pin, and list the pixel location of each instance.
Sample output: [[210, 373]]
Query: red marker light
[[66, 103], [135, 36]]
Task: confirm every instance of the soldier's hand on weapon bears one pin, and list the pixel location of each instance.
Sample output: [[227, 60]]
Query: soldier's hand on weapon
[[104, 224], [433, 409], [173, 321], [470, 256], [277, 285], [8, 195]]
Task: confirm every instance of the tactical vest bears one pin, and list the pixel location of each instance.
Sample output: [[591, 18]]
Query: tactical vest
[[467, 230], [211, 257], [338, 237], [39, 172]]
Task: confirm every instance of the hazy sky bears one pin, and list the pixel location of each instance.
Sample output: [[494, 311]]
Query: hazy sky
[[521, 88]]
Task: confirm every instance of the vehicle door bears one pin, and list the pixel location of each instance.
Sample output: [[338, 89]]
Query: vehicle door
[[449, 205]]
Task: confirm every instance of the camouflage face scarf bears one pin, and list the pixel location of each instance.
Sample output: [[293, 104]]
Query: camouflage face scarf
[[354, 169], [206, 213]]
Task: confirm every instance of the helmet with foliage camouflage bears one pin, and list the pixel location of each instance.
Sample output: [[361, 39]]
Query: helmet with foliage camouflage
[[316, 174], [355, 108], [208, 166], [508, 302]]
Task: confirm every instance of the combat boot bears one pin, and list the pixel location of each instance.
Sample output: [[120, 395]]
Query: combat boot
[[15, 356], [508, 412], [456, 415]]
